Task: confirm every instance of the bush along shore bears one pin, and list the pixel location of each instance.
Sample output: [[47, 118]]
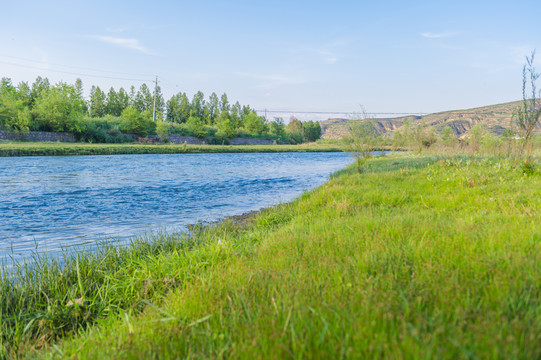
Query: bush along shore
[[63, 149], [414, 257]]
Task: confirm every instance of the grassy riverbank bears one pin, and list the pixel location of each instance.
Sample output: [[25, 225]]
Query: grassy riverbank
[[61, 149], [417, 257]]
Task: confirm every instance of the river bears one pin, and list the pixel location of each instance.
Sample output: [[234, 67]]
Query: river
[[52, 203]]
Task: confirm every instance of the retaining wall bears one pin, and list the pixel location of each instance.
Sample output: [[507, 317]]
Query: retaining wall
[[37, 136], [233, 141]]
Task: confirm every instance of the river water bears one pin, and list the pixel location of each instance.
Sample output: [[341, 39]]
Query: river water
[[48, 204]]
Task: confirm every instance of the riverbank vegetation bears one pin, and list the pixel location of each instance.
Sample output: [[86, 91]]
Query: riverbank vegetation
[[63, 149], [123, 116], [418, 256]]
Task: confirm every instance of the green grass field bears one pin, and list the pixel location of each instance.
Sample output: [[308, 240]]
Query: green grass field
[[417, 257], [62, 149]]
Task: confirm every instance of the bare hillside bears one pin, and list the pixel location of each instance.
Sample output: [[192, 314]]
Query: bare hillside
[[495, 118]]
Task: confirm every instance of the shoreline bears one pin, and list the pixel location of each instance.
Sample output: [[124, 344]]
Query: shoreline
[[70, 149], [384, 254]]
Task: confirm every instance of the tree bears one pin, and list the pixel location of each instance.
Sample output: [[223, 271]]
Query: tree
[[79, 87], [14, 112], [236, 111], [254, 124], [172, 109], [144, 100], [97, 102], [295, 126], [185, 108], [277, 127], [112, 105], [123, 100], [39, 88], [245, 111], [528, 114], [312, 131], [198, 105], [132, 96], [448, 136], [25, 93], [226, 127], [224, 103], [60, 109], [197, 126], [162, 128], [160, 103], [135, 122], [359, 142], [212, 109]]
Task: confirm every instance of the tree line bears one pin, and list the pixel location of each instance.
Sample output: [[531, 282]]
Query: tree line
[[116, 116]]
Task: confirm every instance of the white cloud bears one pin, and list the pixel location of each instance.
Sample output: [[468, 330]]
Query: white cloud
[[132, 44], [328, 57], [431, 35]]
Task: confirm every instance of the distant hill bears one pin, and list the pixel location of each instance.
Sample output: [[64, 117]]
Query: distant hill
[[495, 118]]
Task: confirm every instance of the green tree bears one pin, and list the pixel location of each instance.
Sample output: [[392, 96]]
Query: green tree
[[359, 142], [185, 108], [144, 100], [254, 124], [60, 109], [277, 127], [224, 103], [448, 136], [25, 93], [162, 128], [198, 105], [14, 113], [236, 111], [172, 109], [132, 95], [39, 88], [212, 109], [160, 103], [295, 130], [135, 122], [97, 102], [79, 88], [123, 100], [226, 127], [312, 131], [112, 104], [197, 126]]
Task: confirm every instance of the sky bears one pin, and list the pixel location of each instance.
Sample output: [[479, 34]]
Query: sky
[[312, 59]]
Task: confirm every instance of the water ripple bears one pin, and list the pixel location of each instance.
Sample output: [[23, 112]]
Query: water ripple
[[50, 203]]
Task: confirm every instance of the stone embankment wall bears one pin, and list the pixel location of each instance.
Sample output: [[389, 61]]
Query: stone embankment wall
[[37, 136], [234, 141], [67, 137], [244, 141]]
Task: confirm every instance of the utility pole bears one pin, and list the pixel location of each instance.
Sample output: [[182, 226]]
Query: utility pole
[[155, 91]]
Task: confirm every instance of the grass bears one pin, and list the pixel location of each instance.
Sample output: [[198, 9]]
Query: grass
[[417, 257], [57, 149]]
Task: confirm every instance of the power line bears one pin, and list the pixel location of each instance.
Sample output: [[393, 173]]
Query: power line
[[339, 112], [75, 67], [73, 73], [451, 112]]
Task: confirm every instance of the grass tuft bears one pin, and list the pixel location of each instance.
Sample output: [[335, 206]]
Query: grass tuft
[[417, 257]]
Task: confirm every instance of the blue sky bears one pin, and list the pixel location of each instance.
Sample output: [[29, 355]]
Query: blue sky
[[308, 56]]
